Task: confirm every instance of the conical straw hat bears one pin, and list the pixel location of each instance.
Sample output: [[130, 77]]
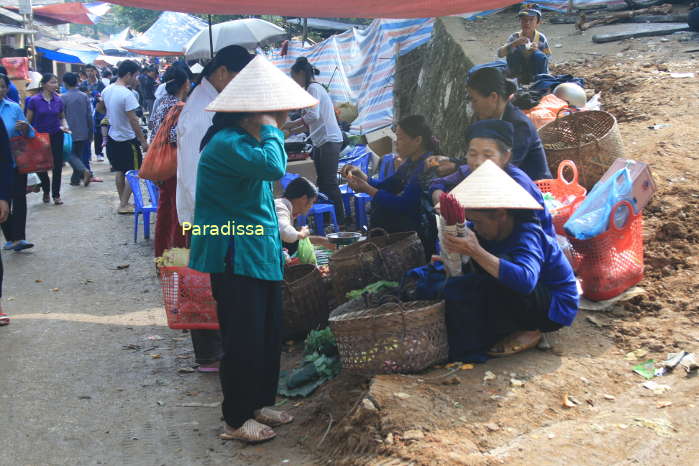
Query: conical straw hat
[[489, 187], [261, 87]]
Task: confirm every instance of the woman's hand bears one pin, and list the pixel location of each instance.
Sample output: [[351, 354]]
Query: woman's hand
[[467, 246], [304, 232], [22, 127]]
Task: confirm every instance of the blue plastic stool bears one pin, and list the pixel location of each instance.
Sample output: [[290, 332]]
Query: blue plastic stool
[[387, 167], [318, 211], [140, 207]]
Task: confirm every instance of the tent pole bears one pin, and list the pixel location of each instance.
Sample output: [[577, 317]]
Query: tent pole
[[305, 32], [211, 39]]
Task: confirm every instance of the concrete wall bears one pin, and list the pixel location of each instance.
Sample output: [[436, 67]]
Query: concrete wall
[[431, 80]]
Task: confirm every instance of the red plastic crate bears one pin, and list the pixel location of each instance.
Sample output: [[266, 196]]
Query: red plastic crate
[[188, 300]]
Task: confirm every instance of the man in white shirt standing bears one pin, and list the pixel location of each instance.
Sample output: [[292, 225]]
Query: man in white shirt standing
[[125, 138], [192, 125], [195, 121]]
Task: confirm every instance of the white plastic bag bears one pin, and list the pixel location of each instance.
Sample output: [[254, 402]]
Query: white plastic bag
[[33, 179]]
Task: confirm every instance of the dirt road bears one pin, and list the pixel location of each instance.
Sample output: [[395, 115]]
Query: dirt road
[[89, 367]]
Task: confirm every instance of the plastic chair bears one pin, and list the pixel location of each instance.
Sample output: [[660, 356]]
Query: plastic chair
[[387, 167], [140, 208], [361, 159]]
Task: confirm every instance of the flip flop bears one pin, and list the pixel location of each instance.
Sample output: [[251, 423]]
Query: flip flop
[[273, 417], [22, 245], [129, 210], [207, 370], [250, 432], [4, 319], [509, 346]]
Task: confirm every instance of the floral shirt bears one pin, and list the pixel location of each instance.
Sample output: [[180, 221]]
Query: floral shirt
[[158, 115]]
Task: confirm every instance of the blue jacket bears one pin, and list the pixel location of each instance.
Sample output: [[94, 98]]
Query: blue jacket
[[6, 165], [13, 93], [235, 184], [528, 151], [529, 257]]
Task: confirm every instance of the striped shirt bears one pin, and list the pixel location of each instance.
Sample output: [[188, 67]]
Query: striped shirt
[[539, 39]]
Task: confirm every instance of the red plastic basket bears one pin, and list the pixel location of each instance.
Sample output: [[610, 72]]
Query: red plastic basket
[[611, 262], [561, 189], [188, 300]]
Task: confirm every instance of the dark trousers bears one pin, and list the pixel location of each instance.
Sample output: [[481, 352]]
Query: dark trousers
[[480, 311], [87, 155], [98, 139], [76, 161], [249, 312], [14, 227], [325, 159], [207, 346], [55, 185], [525, 66], [1, 273]]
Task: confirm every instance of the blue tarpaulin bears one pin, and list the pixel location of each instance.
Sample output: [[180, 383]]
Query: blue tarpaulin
[[69, 55], [168, 35]]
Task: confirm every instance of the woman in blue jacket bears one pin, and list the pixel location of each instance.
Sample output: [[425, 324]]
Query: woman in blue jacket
[[235, 239], [520, 283]]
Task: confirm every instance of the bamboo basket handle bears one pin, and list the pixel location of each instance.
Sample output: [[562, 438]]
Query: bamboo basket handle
[[381, 257], [381, 230]]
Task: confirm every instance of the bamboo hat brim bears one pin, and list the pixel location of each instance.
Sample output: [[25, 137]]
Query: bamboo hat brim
[[490, 187], [261, 87]]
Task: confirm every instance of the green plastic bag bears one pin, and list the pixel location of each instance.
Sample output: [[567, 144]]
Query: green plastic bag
[[306, 253]]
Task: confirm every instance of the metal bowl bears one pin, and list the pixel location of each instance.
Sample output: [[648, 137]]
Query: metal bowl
[[344, 238]]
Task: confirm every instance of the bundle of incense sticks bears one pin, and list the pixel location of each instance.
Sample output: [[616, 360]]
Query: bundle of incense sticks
[[452, 222]]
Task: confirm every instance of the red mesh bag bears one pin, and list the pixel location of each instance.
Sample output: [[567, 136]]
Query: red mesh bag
[[561, 189], [188, 300], [17, 67], [611, 262]]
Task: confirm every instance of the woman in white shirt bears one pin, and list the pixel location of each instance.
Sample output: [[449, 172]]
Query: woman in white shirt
[[324, 130], [298, 198]]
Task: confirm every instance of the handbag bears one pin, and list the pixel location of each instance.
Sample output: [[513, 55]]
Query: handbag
[[160, 162], [32, 154]]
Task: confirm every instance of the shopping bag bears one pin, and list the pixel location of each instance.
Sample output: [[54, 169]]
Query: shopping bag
[[592, 216], [32, 154], [67, 145], [17, 67], [160, 162], [306, 253]]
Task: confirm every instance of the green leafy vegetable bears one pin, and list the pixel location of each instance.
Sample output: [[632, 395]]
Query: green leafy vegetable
[[373, 288], [322, 342]]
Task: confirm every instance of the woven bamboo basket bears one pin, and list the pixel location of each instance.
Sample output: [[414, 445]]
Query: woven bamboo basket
[[590, 139], [391, 337], [305, 301], [385, 257]]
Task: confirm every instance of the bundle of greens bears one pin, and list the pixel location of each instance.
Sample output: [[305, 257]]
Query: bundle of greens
[[373, 288], [320, 364]]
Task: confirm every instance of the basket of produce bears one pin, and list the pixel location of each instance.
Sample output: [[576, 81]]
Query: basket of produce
[[384, 257], [305, 300], [381, 335], [591, 139], [564, 195]]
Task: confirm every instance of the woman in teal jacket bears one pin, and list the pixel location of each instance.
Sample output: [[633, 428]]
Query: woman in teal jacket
[[235, 238]]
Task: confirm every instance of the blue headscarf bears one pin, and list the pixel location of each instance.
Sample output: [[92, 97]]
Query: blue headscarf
[[491, 129]]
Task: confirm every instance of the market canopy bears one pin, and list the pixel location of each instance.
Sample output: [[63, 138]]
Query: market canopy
[[65, 55], [78, 13], [314, 8], [168, 35]]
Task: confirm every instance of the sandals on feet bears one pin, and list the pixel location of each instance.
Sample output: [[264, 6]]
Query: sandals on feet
[[511, 345], [57, 201], [250, 432], [4, 319], [273, 417]]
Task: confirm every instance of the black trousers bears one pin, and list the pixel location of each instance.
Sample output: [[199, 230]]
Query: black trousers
[[250, 313], [14, 228], [55, 185], [207, 346], [98, 140], [1, 274], [480, 311], [326, 159]]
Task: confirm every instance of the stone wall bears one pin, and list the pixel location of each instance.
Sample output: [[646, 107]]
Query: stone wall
[[431, 80]]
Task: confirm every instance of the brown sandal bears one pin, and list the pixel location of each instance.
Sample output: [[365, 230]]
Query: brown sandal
[[509, 345], [250, 432], [273, 417]]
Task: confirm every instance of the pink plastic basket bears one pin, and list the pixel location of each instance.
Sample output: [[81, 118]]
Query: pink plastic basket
[[189, 303]]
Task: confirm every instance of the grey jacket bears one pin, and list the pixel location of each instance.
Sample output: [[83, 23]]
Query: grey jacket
[[78, 112]]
